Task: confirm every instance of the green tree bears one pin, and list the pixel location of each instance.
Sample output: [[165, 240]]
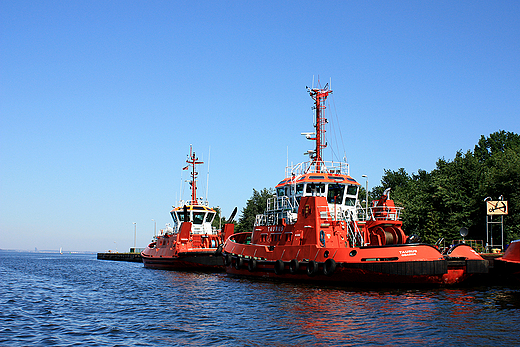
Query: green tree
[[502, 178], [218, 224], [439, 203], [396, 180], [255, 205], [416, 198]]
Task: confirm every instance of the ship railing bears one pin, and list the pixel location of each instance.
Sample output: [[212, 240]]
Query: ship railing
[[385, 213], [355, 237], [362, 214], [340, 213], [282, 203], [193, 202], [278, 208], [354, 234], [477, 245], [331, 167]]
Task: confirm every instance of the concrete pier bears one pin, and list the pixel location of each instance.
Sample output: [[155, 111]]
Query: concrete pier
[[134, 257]]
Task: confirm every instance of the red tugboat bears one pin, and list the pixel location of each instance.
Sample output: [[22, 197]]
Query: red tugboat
[[315, 229], [508, 265], [192, 243]]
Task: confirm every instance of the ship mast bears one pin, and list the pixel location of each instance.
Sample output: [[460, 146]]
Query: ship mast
[[319, 96], [193, 160]]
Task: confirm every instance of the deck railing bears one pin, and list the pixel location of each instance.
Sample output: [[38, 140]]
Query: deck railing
[[385, 213], [330, 167], [193, 202], [278, 208]]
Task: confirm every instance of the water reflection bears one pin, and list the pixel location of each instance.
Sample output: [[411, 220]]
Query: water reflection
[[65, 300]]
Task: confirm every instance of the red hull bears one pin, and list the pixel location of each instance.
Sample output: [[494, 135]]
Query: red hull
[[509, 264], [346, 275], [396, 264], [186, 251], [196, 261]]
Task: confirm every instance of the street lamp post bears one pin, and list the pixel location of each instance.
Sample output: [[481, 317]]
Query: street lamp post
[[366, 201], [487, 227], [135, 235], [219, 218]]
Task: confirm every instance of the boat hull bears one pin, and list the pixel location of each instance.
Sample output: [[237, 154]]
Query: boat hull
[[424, 272], [508, 266], [396, 264], [352, 274]]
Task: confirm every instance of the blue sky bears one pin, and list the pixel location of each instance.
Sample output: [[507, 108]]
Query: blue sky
[[100, 101]]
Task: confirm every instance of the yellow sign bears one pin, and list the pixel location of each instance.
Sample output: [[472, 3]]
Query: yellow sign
[[496, 207]]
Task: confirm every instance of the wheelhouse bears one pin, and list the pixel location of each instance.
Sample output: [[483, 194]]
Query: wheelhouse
[[201, 217], [340, 190]]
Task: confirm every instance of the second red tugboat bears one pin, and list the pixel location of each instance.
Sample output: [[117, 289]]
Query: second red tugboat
[[315, 229], [192, 243], [508, 266]]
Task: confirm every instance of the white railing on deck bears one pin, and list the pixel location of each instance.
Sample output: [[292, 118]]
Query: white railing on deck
[[355, 236], [330, 167], [385, 213], [380, 213], [277, 209], [193, 202]]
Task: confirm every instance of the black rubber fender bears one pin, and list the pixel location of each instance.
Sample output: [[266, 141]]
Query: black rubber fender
[[279, 267], [329, 267], [227, 259], [312, 268], [239, 263], [251, 265], [294, 266]]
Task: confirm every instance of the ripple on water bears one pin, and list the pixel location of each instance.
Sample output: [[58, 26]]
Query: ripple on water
[[77, 300]]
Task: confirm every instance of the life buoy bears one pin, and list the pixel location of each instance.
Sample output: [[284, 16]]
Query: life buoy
[[279, 267], [329, 267], [294, 266], [251, 265], [239, 263], [312, 268]]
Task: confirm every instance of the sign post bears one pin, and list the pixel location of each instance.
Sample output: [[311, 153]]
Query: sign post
[[495, 208]]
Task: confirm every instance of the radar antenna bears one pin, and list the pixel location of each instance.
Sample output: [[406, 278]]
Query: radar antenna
[[319, 96], [192, 161]]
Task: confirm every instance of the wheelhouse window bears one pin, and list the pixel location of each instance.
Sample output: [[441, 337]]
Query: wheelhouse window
[[174, 216], [280, 191], [352, 190], [350, 201], [335, 193], [315, 188], [180, 215], [299, 189], [198, 217], [210, 216]]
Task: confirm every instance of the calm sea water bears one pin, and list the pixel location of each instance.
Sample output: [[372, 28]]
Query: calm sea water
[[77, 300]]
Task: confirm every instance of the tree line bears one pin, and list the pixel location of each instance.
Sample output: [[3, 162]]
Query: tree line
[[439, 203]]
